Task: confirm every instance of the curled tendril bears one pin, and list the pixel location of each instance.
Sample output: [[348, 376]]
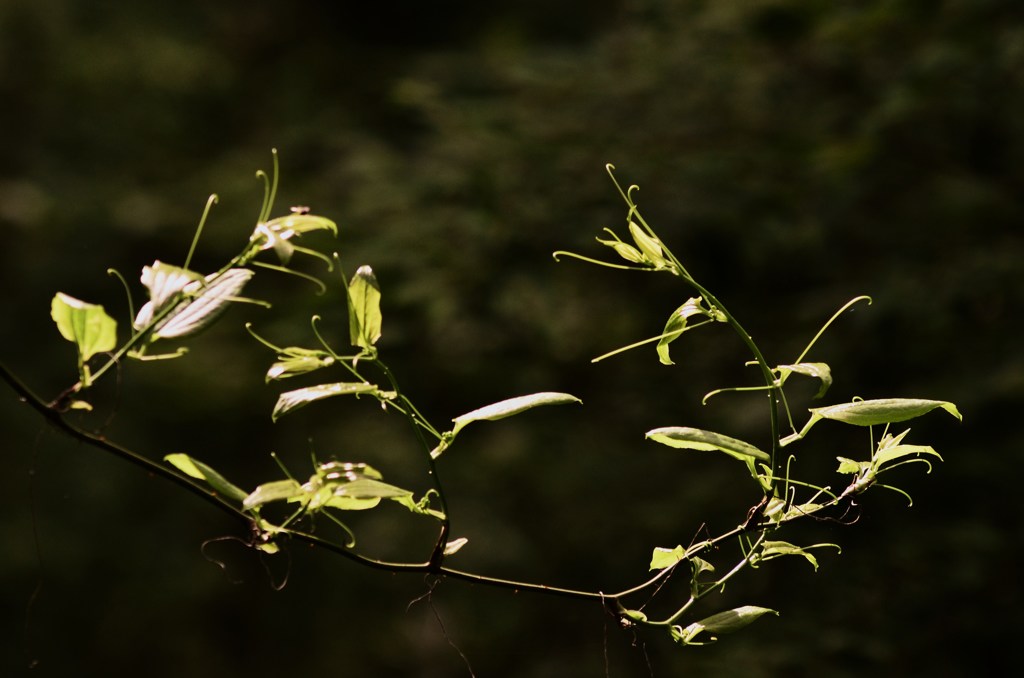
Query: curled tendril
[[321, 287], [210, 202], [127, 291]]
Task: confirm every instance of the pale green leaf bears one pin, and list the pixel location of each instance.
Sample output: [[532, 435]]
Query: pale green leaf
[[775, 549], [676, 325], [851, 466], [650, 247], [819, 371], [885, 411], [455, 545], [735, 619], [662, 557], [889, 454], [364, 316], [294, 224], [277, 490], [696, 439], [512, 406], [290, 401], [199, 470], [87, 325], [624, 250]]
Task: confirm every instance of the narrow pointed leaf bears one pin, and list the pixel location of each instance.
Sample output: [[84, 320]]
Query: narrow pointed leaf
[[302, 223], [364, 316], [199, 470], [277, 490], [87, 325], [885, 411], [293, 400], [650, 247], [735, 619], [512, 406], [696, 439], [624, 250]]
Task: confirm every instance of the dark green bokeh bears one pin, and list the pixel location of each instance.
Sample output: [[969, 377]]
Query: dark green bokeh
[[794, 154]]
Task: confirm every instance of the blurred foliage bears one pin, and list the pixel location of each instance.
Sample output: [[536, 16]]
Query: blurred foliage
[[793, 153]]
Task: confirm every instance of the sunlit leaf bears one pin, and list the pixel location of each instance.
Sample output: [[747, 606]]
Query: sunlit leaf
[[364, 316], [650, 247], [203, 302], [898, 451], [676, 325], [735, 619], [775, 549], [662, 557], [624, 250], [301, 223], [819, 371], [290, 401], [696, 439], [199, 470], [886, 411], [164, 282], [277, 490], [455, 545], [851, 466], [512, 406], [87, 325], [293, 362], [873, 413]]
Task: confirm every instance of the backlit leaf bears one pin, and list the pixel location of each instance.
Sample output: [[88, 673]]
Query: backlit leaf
[[364, 316], [820, 371], [662, 557], [676, 325], [885, 411], [696, 439], [199, 470], [87, 325], [735, 619], [512, 406], [277, 490], [293, 400]]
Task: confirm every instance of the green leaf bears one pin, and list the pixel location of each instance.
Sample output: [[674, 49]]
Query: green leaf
[[676, 325], [199, 470], [290, 401], [662, 557], [775, 549], [872, 413], [294, 361], [87, 325], [277, 490], [696, 439], [364, 316], [735, 619], [624, 250], [649, 247], [201, 302], [885, 411], [892, 453], [851, 466], [295, 224], [512, 406], [820, 371]]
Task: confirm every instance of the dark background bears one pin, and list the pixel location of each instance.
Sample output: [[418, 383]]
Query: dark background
[[793, 154]]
